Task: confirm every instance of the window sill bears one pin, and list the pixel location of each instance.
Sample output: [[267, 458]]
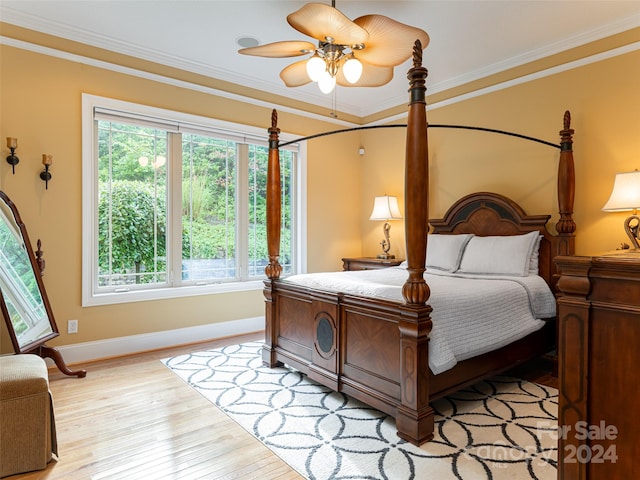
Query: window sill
[[113, 298]]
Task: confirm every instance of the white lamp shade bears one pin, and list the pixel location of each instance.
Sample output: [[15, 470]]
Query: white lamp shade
[[352, 69], [385, 208], [315, 67], [326, 82], [626, 193]]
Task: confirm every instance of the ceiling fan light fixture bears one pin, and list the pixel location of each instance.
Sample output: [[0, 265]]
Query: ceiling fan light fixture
[[352, 69], [326, 82], [381, 43], [315, 67]]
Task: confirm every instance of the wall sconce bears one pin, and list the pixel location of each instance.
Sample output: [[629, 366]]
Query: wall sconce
[[625, 196], [13, 160], [385, 208], [45, 175]]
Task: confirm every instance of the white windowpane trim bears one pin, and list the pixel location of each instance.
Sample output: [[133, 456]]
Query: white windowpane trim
[[175, 205], [157, 118]]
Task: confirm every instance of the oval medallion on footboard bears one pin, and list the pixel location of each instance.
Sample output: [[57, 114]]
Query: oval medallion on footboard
[[324, 354], [325, 337]]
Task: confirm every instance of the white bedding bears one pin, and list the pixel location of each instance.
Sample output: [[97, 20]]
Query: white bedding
[[472, 314]]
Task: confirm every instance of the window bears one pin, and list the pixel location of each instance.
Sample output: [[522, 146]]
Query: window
[[175, 205]]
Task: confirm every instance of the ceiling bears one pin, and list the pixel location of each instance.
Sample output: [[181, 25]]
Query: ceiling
[[470, 39]]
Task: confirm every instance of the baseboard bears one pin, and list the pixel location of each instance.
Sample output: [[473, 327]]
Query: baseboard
[[114, 347]]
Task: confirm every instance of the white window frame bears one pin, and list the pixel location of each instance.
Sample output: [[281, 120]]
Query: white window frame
[[90, 203]]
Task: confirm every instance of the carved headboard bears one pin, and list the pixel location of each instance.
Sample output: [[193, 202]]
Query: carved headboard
[[486, 213]]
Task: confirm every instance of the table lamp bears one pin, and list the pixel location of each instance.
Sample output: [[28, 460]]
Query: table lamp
[[625, 196], [385, 208]]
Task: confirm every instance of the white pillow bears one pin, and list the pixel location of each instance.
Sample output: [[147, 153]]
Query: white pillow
[[535, 253], [444, 252], [500, 255]]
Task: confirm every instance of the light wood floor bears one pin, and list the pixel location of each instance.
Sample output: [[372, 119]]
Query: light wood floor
[[131, 418]]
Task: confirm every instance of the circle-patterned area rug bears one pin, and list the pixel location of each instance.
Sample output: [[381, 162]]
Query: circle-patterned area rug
[[503, 428]]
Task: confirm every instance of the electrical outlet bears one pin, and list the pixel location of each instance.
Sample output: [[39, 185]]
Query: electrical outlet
[[72, 326]]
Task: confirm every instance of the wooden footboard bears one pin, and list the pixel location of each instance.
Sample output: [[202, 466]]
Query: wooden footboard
[[356, 345]]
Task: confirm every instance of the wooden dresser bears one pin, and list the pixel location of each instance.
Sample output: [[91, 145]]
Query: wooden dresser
[[598, 366]]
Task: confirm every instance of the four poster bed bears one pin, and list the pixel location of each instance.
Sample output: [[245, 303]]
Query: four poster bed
[[378, 343]]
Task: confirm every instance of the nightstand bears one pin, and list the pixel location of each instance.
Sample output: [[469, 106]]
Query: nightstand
[[369, 263]]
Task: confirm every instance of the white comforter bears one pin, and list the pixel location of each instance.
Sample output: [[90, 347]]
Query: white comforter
[[472, 314]]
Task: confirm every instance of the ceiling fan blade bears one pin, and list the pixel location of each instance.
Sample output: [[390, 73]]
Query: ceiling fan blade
[[372, 76], [295, 75], [291, 48], [320, 21], [390, 42]]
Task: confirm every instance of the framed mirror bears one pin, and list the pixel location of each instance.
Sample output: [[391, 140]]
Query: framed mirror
[[23, 299]]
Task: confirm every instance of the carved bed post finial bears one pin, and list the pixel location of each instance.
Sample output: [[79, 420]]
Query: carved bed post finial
[[417, 54], [566, 226], [274, 207], [415, 290]]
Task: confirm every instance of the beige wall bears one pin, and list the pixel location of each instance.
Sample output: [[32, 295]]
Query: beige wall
[[604, 101], [40, 104]]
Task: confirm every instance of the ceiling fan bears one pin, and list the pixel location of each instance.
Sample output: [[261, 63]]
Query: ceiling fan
[[360, 53]]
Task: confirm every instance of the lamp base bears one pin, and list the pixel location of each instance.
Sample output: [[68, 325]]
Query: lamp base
[[631, 226], [386, 256]]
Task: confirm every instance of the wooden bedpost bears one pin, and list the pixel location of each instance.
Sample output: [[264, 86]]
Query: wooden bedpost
[[415, 417], [416, 185], [566, 226], [274, 216], [274, 200]]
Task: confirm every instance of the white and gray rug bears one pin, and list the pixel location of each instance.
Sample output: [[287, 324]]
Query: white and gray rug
[[499, 429]]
